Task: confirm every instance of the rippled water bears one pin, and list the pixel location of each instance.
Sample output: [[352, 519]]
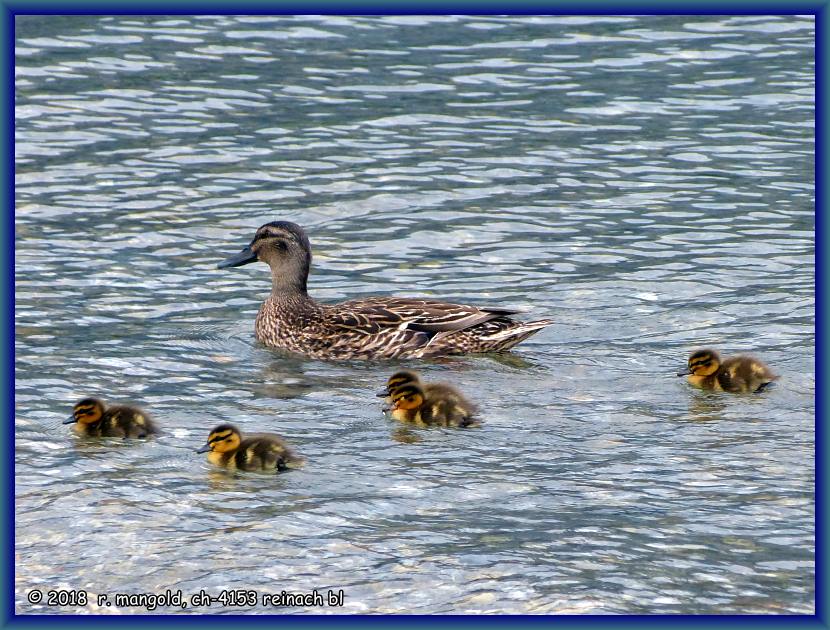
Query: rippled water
[[646, 181]]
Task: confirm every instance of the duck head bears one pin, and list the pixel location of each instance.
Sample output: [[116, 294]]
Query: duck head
[[284, 246], [87, 411], [398, 379], [222, 439], [407, 397], [702, 363]]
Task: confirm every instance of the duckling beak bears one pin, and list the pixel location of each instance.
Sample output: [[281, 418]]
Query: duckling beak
[[70, 420], [204, 449], [382, 393], [684, 372], [242, 258]]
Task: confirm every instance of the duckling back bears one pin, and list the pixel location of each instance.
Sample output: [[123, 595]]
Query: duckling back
[[263, 453], [446, 407], [744, 374], [445, 393], [126, 422]]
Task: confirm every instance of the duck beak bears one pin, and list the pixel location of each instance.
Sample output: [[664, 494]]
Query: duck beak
[[382, 393], [242, 258], [70, 420], [204, 449], [684, 372]]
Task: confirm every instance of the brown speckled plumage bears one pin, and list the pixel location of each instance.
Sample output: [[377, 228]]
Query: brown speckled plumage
[[367, 328]]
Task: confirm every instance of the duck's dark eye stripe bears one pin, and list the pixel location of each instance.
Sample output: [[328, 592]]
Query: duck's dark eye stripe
[[268, 234], [219, 438], [282, 243]]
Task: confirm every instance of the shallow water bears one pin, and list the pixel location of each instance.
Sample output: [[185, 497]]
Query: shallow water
[[646, 181]]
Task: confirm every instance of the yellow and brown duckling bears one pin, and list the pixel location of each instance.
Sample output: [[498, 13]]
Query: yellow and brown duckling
[[431, 405], [94, 418], [736, 374], [409, 377], [366, 328], [261, 452], [401, 377], [398, 379]]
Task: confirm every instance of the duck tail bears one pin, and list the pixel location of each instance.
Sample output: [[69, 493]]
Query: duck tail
[[516, 334]]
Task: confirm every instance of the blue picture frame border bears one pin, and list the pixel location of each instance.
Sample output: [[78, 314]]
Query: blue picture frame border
[[10, 9]]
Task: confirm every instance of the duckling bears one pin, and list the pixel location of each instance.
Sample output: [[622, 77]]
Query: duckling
[[365, 328], [95, 418], [735, 374], [399, 378], [432, 390], [443, 407], [260, 452]]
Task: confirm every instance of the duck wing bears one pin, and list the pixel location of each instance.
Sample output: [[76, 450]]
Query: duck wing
[[452, 317], [372, 315]]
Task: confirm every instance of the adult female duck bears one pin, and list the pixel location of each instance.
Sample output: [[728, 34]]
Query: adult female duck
[[367, 328]]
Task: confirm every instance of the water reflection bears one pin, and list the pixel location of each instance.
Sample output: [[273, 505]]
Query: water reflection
[[707, 407]]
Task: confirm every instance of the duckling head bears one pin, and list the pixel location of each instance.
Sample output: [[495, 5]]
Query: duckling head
[[222, 439], [407, 397], [87, 411], [399, 379], [285, 247], [702, 363]]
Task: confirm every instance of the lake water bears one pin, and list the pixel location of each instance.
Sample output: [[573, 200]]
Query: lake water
[[646, 181]]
